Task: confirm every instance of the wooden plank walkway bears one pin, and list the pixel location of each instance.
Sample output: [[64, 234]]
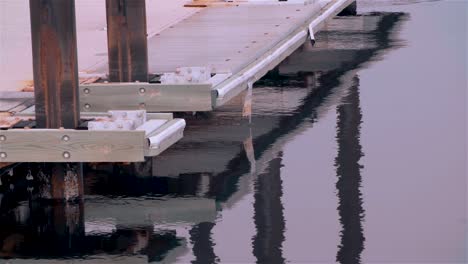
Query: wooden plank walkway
[[226, 38], [239, 42]]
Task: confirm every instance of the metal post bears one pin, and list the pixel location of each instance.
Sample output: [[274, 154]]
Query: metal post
[[53, 34], [127, 40]]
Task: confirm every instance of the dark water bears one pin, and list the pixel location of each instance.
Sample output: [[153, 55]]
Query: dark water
[[359, 157]]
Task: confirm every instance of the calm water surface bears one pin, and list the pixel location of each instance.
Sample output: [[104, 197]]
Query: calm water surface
[[356, 158]]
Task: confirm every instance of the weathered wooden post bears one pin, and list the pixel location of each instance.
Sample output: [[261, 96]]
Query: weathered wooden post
[[55, 65], [127, 40], [128, 48], [53, 33]]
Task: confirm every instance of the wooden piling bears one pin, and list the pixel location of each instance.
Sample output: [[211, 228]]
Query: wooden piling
[[127, 40], [55, 65], [66, 181], [53, 34]]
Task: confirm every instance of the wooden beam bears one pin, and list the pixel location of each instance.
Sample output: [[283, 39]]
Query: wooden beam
[[63, 145], [149, 96]]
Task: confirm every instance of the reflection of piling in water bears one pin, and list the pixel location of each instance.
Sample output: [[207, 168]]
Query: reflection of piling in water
[[269, 218], [58, 230], [203, 247], [348, 171], [40, 229]]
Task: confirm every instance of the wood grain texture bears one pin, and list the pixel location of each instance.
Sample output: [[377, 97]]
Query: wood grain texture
[[44, 145], [127, 40], [15, 101], [171, 140], [226, 38], [157, 97], [55, 63]]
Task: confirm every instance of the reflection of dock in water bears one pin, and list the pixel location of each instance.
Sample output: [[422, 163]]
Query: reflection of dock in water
[[215, 146], [154, 217]]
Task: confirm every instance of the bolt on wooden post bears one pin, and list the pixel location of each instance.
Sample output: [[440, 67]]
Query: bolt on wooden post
[[127, 40], [55, 63]]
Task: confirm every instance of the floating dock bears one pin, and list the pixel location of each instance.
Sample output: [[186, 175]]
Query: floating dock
[[236, 44], [197, 63], [218, 173]]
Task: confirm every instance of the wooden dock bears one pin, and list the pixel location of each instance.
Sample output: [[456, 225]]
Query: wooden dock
[[238, 44], [218, 174], [198, 62]]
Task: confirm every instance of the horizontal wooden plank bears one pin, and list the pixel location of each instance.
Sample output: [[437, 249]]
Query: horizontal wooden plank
[[47, 145], [8, 121], [12, 104], [15, 101], [152, 97], [87, 115], [17, 95]]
